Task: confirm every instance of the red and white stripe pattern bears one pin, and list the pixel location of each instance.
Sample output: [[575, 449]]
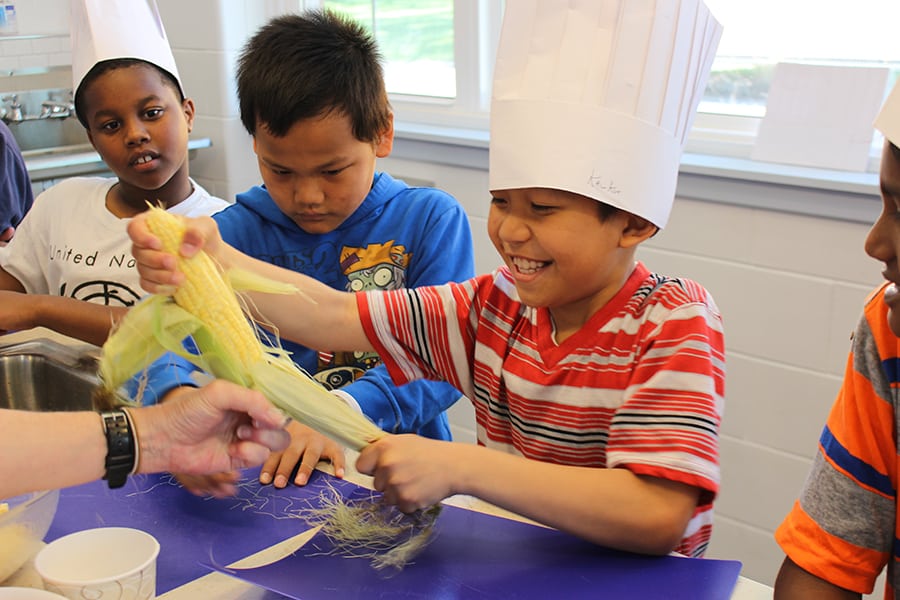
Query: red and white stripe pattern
[[640, 386]]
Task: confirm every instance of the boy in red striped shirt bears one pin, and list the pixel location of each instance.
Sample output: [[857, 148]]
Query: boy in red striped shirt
[[598, 385]]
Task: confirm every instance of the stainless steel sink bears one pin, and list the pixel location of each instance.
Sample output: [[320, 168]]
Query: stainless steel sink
[[57, 151], [42, 118], [37, 134], [45, 375]]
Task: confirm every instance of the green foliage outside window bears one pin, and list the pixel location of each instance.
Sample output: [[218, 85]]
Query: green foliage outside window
[[407, 30], [740, 85]]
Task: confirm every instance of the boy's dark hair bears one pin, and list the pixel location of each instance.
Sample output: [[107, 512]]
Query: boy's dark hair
[[308, 65], [606, 210], [895, 150], [105, 66]]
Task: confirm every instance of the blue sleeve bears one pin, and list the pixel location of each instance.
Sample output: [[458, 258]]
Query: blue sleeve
[[447, 253], [418, 407], [15, 186], [165, 374]]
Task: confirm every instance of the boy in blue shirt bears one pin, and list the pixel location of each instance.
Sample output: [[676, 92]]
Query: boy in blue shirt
[[312, 95]]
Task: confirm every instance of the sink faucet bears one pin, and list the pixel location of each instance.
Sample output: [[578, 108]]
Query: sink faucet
[[51, 109], [12, 110], [57, 109]]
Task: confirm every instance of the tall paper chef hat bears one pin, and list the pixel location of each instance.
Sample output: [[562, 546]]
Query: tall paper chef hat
[[888, 119], [107, 29], [597, 97]]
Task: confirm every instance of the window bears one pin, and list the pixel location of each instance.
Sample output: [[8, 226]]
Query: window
[[416, 39], [439, 56], [758, 35]]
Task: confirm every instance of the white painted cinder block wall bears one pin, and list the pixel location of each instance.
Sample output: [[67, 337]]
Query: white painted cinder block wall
[[206, 38], [790, 287]]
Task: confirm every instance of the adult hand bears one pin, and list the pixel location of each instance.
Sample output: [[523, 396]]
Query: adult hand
[[217, 485], [412, 472], [307, 448], [219, 427]]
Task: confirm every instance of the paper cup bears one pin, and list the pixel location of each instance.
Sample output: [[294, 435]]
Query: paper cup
[[27, 593], [108, 563]]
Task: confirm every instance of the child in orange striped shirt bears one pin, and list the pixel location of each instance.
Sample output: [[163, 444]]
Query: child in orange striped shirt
[[843, 530]]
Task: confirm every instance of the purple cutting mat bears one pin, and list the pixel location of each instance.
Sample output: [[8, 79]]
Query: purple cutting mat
[[477, 556], [191, 530]]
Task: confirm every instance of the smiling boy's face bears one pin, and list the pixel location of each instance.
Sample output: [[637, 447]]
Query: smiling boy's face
[[883, 242], [562, 253]]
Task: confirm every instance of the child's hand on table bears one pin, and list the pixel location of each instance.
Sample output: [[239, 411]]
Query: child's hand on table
[[307, 448]]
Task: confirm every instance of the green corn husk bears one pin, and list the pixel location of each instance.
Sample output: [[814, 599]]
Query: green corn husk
[[159, 324]]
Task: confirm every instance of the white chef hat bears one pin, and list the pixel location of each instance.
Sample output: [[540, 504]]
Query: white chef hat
[[597, 97], [888, 119], [107, 29]]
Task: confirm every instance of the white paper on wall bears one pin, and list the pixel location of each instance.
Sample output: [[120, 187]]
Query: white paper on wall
[[821, 116]]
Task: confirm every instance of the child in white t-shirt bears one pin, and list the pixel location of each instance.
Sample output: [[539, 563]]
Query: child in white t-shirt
[[71, 253]]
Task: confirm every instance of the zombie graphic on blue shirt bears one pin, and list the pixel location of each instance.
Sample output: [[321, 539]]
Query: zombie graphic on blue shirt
[[375, 267]]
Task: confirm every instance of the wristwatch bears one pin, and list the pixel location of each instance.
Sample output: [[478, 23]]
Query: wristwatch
[[120, 454]]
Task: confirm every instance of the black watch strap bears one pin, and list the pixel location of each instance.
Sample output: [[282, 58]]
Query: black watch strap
[[119, 447]]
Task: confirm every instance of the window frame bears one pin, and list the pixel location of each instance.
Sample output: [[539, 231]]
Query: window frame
[[463, 121], [473, 62]]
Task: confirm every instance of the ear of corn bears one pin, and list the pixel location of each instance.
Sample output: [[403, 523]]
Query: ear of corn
[[206, 294], [206, 307]]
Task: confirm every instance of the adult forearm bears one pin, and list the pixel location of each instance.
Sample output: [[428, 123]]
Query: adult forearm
[[31, 444]]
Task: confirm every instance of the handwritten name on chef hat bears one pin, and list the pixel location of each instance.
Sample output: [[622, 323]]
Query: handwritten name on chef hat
[[597, 97], [108, 29]]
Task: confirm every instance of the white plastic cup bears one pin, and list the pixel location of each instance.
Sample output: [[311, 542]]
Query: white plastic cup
[[27, 593], [108, 563]]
